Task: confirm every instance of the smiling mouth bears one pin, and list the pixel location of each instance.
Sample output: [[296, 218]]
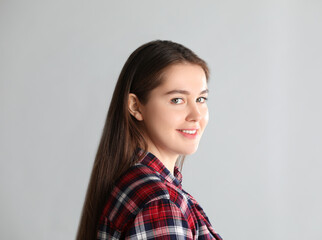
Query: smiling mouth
[[191, 132]]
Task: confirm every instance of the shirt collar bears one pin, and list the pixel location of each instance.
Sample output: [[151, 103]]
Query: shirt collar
[[154, 163]]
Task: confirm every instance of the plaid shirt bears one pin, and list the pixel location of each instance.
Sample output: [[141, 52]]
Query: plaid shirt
[[148, 202]]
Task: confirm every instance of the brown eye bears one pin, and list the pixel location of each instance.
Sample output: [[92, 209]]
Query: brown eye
[[176, 100], [202, 99]]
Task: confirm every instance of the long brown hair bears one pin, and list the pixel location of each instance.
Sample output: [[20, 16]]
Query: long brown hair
[[122, 134]]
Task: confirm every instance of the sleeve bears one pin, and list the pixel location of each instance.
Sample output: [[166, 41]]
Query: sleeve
[[159, 219]]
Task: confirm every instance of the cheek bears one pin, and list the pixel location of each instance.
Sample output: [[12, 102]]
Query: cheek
[[153, 117], [169, 118], [205, 117], [163, 118]]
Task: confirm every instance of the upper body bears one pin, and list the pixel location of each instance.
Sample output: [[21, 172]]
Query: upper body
[[159, 104], [148, 202]]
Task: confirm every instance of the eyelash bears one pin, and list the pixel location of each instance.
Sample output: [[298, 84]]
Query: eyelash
[[204, 98], [174, 99]]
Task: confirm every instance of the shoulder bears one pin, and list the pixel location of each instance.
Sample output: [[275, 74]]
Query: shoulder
[[160, 219], [132, 191], [141, 183]]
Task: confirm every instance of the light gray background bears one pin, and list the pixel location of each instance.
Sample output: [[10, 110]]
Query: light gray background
[[257, 172]]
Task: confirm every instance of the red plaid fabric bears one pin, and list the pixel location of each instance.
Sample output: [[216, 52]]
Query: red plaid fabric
[[148, 202]]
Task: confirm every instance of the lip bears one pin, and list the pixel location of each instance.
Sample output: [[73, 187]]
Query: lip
[[187, 135]]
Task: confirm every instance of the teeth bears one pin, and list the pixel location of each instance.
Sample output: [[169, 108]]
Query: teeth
[[189, 131]]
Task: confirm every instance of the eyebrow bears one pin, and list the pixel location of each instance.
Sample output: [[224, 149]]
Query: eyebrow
[[184, 92]]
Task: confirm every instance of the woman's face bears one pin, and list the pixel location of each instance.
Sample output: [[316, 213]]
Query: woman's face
[[176, 112]]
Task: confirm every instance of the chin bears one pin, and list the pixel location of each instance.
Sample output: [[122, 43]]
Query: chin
[[190, 150]]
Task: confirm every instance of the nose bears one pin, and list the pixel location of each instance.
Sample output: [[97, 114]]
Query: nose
[[193, 113]]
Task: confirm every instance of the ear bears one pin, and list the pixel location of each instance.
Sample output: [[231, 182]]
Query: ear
[[134, 107]]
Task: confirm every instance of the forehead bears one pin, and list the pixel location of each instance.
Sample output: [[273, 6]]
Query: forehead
[[184, 76]]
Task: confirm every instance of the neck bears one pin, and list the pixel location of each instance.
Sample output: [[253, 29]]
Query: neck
[[168, 161]]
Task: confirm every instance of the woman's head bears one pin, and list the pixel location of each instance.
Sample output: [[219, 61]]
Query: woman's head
[[144, 71], [175, 114]]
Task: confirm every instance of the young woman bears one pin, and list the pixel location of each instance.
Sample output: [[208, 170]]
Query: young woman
[[157, 115]]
